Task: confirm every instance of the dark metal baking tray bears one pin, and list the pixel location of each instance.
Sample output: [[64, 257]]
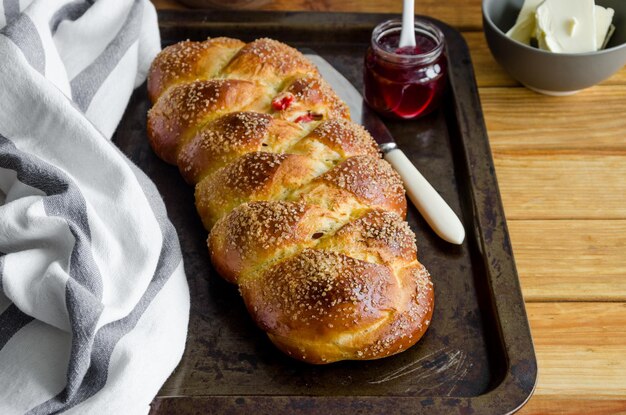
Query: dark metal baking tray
[[477, 356]]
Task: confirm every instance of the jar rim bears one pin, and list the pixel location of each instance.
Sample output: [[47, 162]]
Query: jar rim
[[423, 27]]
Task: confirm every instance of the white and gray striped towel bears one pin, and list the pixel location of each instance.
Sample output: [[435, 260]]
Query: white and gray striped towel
[[93, 298]]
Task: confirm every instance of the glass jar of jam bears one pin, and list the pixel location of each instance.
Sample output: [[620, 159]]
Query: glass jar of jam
[[405, 82]]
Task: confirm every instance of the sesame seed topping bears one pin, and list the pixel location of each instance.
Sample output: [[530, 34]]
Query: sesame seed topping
[[308, 217]]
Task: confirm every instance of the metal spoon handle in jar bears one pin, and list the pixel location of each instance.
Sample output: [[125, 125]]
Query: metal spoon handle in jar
[[407, 35]]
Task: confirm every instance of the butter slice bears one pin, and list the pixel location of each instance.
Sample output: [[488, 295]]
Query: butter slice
[[524, 28], [554, 23], [603, 22]]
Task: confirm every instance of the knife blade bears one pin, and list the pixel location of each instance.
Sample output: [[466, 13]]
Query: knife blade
[[426, 199]]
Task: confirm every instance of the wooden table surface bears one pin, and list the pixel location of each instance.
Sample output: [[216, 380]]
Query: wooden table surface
[[561, 167]]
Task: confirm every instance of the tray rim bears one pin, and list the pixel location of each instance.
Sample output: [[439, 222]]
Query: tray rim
[[491, 234]]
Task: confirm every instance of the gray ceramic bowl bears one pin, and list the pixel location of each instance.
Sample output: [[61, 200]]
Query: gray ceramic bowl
[[547, 72]]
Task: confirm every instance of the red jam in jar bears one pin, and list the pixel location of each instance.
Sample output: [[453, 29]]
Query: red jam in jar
[[405, 82]]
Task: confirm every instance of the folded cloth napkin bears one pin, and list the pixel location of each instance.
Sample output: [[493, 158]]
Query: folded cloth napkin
[[94, 303]]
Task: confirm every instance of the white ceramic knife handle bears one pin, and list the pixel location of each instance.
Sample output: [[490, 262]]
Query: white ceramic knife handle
[[430, 204]]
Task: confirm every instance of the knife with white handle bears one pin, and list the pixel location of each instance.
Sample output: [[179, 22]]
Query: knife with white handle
[[426, 199], [430, 204]]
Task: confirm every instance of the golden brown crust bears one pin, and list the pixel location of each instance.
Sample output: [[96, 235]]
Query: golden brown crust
[[313, 100], [268, 61], [379, 236], [342, 136], [254, 176], [321, 306], [409, 324], [369, 181], [372, 180], [229, 137], [304, 214], [221, 142], [185, 108], [258, 231], [189, 61], [321, 294]]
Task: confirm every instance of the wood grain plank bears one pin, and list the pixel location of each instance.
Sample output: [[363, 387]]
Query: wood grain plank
[[488, 72], [582, 370], [519, 119], [580, 260], [567, 186], [548, 405], [580, 348], [584, 324], [465, 14]]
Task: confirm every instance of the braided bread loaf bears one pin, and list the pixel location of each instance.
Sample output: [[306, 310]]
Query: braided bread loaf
[[304, 216]]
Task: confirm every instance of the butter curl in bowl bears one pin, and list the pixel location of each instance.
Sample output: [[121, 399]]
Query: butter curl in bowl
[[557, 47]]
